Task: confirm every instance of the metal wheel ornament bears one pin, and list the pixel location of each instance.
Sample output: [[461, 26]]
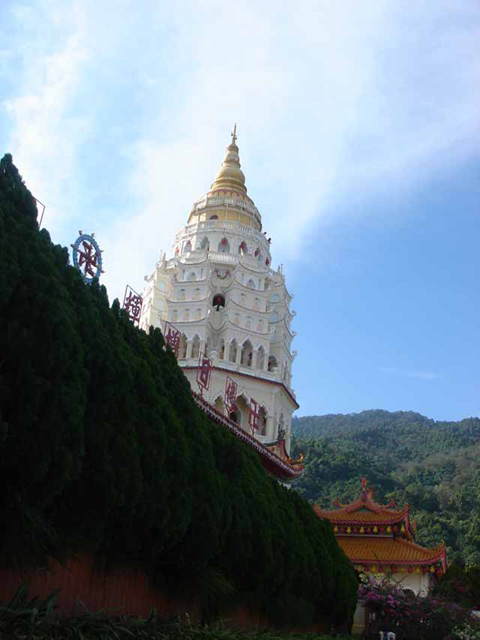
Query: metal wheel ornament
[[87, 257]]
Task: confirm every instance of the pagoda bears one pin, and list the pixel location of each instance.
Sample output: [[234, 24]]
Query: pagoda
[[230, 311], [380, 540]]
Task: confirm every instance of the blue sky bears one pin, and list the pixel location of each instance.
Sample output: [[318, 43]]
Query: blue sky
[[359, 129]]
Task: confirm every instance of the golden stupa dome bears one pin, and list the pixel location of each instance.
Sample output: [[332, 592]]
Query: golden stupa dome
[[230, 176]]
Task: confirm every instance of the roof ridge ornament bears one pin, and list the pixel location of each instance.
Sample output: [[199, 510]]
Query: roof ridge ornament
[[234, 133]]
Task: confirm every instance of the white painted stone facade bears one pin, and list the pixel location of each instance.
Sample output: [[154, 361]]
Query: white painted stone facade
[[219, 290]]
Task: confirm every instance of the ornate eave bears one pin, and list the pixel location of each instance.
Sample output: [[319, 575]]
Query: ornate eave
[[284, 468]]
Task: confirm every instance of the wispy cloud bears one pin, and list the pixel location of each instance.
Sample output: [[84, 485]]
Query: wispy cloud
[[120, 111], [421, 375]]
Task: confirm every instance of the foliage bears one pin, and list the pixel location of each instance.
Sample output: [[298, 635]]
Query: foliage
[[103, 449], [461, 585], [37, 620], [432, 466], [411, 616]]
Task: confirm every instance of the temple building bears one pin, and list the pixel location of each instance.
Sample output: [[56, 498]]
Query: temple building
[[219, 291], [380, 541]]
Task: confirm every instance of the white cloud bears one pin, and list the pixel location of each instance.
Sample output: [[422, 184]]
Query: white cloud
[[333, 103]]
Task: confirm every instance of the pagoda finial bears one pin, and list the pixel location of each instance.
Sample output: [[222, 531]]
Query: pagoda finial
[[230, 176]]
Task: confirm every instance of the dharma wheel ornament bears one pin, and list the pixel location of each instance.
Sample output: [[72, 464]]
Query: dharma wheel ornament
[[87, 257]]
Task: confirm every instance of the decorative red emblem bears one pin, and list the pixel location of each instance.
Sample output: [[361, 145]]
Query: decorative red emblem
[[267, 261], [204, 372], [172, 337], [87, 257], [254, 415], [230, 395], [132, 304], [257, 252]]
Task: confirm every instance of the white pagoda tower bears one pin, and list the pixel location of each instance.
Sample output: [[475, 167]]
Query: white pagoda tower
[[220, 292]]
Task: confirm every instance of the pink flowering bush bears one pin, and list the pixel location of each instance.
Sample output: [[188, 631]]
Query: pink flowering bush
[[391, 608]]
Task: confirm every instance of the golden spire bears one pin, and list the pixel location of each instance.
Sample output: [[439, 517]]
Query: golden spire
[[230, 176]]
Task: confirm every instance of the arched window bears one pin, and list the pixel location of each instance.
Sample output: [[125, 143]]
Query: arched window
[[187, 247], [197, 294], [273, 317], [181, 294], [174, 315], [251, 284], [236, 319], [186, 315], [243, 248], [192, 277], [247, 354], [221, 350], [272, 363], [232, 352], [260, 257], [224, 246], [256, 304], [260, 358], [182, 347], [196, 347], [248, 323], [214, 217], [259, 327], [275, 297], [243, 300], [218, 300], [281, 428], [205, 244], [198, 314]]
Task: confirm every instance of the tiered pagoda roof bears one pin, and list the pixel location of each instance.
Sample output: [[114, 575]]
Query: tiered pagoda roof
[[381, 538]]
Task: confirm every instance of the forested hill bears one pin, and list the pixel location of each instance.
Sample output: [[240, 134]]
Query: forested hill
[[434, 466]]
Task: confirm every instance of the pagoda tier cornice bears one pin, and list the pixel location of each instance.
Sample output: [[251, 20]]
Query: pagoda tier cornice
[[276, 383], [244, 286], [249, 309], [238, 228], [189, 323], [250, 264], [185, 261], [186, 302], [247, 332]]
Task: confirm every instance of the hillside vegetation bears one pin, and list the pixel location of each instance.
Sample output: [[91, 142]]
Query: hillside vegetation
[[103, 449], [432, 466]]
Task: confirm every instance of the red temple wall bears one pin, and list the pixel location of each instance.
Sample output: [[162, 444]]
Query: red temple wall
[[118, 591]]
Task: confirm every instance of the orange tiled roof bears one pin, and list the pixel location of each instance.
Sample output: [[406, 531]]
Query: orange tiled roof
[[365, 511], [388, 550]]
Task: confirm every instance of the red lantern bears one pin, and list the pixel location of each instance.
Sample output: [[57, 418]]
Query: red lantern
[[438, 572], [380, 568], [410, 569], [424, 569], [394, 568]]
